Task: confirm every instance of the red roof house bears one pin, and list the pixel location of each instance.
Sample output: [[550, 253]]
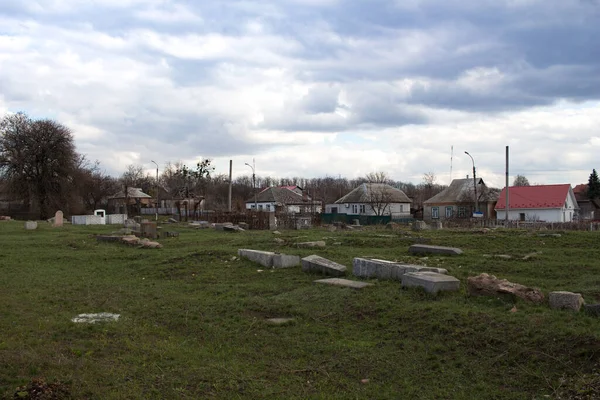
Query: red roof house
[[550, 203]]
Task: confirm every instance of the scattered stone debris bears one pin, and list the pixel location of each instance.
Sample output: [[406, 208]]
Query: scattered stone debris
[[279, 241], [131, 240], [93, 318], [4, 218], [276, 233], [565, 300], [503, 256], [531, 255], [172, 220], [489, 285], [170, 234]]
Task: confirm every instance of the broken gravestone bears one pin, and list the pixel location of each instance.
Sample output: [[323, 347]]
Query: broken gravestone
[[344, 283], [93, 318], [432, 282], [565, 300], [387, 270], [319, 243], [322, 265], [489, 285]]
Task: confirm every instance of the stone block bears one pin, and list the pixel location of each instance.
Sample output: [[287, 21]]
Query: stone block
[[58, 219], [148, 230], [419, 226], [264, 258], [244, 226], [319, 243], [344, 283], [436, 225], [429, 249], [592, 309], [387, 270], [565, 300], [31, 225], [285, 261], [322, 265], [430, 281]]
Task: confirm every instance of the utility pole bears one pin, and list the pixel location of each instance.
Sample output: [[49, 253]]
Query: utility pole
[[157, 197], [507, 207], [474, 183], [230, 183], [253, 166]]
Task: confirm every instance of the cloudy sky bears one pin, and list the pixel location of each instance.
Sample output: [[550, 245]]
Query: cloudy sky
[[315, 87]]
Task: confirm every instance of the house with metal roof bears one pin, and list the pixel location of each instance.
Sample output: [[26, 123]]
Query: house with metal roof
[[548, 203], [373, 199], [458, 201], [291, 199]]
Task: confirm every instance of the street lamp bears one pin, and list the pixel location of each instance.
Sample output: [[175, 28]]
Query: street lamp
[[474, 182], [157, 202], [253, 183]]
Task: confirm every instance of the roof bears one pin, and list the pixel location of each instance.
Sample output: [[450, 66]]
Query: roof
[[374, 192], [539, 196], [134, 193], [581, 188], [279, 194], [461, 190]]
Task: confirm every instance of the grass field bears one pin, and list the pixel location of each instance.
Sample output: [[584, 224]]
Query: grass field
[[193, 318]]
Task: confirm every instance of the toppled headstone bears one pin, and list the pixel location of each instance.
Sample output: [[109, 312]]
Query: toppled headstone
[[419, 226], [31, 225], [170, 234], [503, 256], [276, 233], [344, 282], [221, 226], [489, 285], [93, 318], [108, 238], [531, 255], [4, 218], [264, 258], [279, 241], [244, 226], [322, 265], [232, 228], [132, 224], [319, 243], [285, 261], [383, 269], [172, 220], [58, 219], [565, 300], [430, 281], [429, 249], [148, 244]]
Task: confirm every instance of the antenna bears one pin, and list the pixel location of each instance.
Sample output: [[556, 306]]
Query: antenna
[[451, 155]]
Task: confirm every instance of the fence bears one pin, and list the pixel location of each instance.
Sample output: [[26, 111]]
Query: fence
[[534, 225]]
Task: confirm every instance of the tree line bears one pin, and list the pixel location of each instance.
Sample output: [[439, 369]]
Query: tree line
[[41, 169]]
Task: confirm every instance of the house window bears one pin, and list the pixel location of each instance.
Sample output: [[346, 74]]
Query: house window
[[334, 210], [449, 211], [362, 209], [268, 207], [462, 212], [260, 207], [253, 206], [354, 208], [435, 212]]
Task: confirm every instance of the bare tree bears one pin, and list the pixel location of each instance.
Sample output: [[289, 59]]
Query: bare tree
[[377, 177], [379, 198], [38, 160], [521, 180]]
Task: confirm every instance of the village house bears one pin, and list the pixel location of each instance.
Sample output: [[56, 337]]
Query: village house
[[547, 203], [589, 209], [289, 199], [458, 201], [373, 199]]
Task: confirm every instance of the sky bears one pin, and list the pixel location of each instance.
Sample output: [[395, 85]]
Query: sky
[[315, 88]]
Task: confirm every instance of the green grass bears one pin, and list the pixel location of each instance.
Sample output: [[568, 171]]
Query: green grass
[[193, 318]]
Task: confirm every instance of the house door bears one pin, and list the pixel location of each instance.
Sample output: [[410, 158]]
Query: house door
[[522, 216]]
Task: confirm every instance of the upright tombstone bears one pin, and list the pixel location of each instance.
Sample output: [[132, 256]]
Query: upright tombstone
[[58, 219], [30, 225], [148, 230]]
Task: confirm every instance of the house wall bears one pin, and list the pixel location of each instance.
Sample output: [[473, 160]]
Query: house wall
[[291, 208], [395, 209], [487, 208], [563, 214]]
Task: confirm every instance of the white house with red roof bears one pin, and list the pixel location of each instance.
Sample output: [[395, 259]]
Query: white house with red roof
[[549, 203]]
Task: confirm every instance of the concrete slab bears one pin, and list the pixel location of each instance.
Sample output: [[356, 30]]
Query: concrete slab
[[322, 265], [264, 258], [285, 261], [430, 249], [344, 282], [387, 270], [430, 281], [565, 300], [319, 243]]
